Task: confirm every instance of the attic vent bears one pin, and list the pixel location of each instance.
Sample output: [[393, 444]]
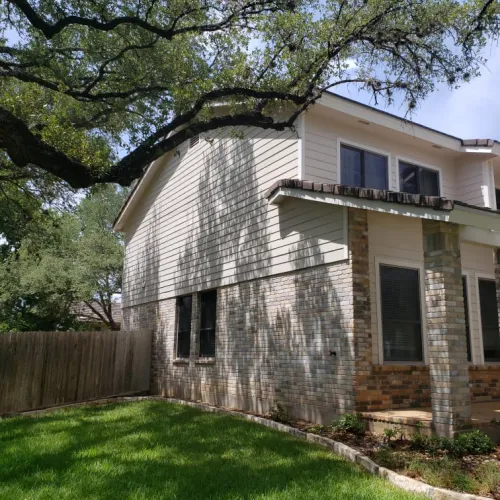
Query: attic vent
[[194, 141]]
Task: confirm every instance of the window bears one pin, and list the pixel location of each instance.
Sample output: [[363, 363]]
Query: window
[[497, 196], [418, 180], [489, 319], [466, 311], [401, 314], [208, 309], [184, 311], [194, 141], [361, 168]]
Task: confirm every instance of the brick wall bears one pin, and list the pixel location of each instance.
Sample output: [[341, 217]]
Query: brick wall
[[484, 382], [274, 337]]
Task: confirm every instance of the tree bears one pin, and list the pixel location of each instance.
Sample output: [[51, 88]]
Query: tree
[[105, 76], [64, 258]]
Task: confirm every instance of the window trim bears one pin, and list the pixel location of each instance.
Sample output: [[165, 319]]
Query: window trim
[[468, 277], [199, 358], [485, 276], [409, 264], [362, 147], [418, 163], [177, 359]]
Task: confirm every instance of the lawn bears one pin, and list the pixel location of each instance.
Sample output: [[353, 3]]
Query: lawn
[[153, 449]]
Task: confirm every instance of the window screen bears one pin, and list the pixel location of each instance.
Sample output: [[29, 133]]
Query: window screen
[[489, 319], [362, 168], [401, 314], [208, 309], [466, 311], [418, 180], [184, 310]]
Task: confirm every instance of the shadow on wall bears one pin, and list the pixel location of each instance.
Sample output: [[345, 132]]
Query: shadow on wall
[[275, 335]]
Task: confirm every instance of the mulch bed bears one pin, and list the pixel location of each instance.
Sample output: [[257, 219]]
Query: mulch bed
[[370, 444]]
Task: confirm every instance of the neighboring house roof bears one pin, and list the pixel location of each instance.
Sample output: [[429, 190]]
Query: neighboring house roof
[[85, 314], [348, 106]]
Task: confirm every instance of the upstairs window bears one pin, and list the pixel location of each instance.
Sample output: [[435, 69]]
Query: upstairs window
[[184, 312], [401, 314], [360, 168], [418, 180], [208, 310], [489, 320]]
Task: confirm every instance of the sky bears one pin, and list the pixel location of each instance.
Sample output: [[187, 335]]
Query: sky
[[470, 112]]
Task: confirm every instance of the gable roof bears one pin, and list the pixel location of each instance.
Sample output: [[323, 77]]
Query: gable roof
[[351, 107]]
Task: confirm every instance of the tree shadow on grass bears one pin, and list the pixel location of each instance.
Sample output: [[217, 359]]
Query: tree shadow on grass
[[159, 450]]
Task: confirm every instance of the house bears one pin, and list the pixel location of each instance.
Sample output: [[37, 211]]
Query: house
[[347, 265], [95, 318]]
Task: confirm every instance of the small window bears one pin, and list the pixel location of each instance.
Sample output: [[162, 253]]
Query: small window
[[194, 141], [489, 319], [208, 309], [401, 314], [466, 312], [361, 168], [184, 312], [418, 180]]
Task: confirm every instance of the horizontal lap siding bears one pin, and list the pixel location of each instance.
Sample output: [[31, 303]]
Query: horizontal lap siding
[[472, 184], [205, 222], [321, 140]]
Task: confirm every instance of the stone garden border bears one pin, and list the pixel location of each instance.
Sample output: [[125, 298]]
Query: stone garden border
[[341, 449]]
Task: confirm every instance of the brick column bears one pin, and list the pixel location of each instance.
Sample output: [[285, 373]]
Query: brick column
[[446, 334], [362, 335]]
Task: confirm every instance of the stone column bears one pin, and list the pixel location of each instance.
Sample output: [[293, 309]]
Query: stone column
[[446, 333], [362, 334]]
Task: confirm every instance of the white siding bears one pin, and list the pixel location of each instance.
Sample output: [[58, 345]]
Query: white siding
[[475, 183], [322, 136], [204, 220]]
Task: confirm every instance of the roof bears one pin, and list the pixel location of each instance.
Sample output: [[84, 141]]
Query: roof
[[415, 200], [83, 312]]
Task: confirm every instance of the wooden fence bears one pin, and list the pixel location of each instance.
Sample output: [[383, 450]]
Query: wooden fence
[[42, 369]]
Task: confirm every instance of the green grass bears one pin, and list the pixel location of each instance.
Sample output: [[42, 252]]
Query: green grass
[[153, 449]]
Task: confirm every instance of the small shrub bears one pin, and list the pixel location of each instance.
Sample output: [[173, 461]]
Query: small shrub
[[279, 413], [317, 429], [350, 423], [471, 443], [389, 434], [468, 443]]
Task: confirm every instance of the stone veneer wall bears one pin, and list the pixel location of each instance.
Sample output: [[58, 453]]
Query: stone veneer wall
[[274, 337], [484, 382]]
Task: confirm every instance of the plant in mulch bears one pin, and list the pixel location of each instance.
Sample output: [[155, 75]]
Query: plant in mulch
[[279, 413], [350, 423]]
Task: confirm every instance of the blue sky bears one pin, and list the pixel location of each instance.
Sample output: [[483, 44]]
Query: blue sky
[[470, 112]]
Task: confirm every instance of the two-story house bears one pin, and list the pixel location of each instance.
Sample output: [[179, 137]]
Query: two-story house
[[347, 265]]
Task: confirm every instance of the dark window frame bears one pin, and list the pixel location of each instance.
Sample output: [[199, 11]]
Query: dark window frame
[[419, 168], [185, 333], [480, 279], [363, 164], [421, 315], [207, 334]]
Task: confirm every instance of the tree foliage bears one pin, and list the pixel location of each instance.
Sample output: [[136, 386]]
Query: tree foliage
[[84, 82], [63, 259]]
